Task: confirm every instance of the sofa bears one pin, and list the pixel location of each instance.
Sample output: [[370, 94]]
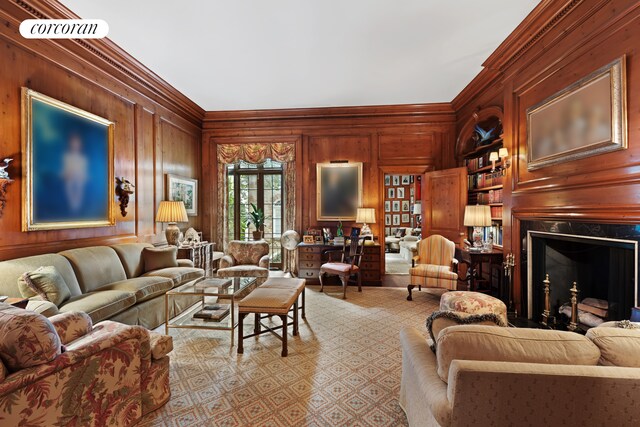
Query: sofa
[[107, 282], [490, 375], [66, 371], [399, 235]]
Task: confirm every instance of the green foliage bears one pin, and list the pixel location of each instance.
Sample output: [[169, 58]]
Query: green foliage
[[340, 231], [256, 217]]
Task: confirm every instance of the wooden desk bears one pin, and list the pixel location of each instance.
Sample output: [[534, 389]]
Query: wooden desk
[[310, 258], [474, 261]]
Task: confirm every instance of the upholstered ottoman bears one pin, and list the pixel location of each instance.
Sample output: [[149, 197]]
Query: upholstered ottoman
[[473, 303]]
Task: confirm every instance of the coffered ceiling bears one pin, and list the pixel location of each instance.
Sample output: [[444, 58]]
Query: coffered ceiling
[[266, 54]]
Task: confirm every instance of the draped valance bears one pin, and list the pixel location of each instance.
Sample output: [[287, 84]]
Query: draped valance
[[256, 152]]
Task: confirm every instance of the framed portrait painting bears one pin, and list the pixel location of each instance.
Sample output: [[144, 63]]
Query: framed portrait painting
[[387, 180], [400, 192], [387, 206], [396, 219], [391, 193], [387, 219], [339, 191], [396, 206], [584, 119], [67, 164], [396, 180], [183, 189]]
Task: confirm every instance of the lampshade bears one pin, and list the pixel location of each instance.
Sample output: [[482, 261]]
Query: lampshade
[[366, 215], [171, 212], [417, 209], [477, 216], [493, 156], [502, 153]]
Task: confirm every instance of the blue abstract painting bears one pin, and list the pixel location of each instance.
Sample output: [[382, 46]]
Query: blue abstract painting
[[70, 174]]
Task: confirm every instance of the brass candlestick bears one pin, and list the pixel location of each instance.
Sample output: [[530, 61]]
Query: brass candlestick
[[547, 304], [573, 324]]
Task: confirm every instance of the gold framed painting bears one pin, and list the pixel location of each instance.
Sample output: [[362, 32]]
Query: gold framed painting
[[67, 164], [338, 191], [181, 189], [585, 119]]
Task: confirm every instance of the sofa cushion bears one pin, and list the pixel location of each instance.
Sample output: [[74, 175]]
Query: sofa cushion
[[28, 338], [159, 258], [493, 343], [143, 288], [46, 308], [100, 305], [438, 320], [130, 255], [618, 346], [14, 268], [432, 270], [95, 266], [178, 275], [45, 282]]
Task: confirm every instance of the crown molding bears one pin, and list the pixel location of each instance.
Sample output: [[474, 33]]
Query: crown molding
[[105, 55], [372, 111]]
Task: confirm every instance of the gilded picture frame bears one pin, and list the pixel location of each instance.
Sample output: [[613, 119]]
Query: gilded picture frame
[[585, 119], [67, 166], [338, 191], [180, 188]]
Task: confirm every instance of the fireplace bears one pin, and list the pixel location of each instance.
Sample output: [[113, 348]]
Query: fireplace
[[601, 259]]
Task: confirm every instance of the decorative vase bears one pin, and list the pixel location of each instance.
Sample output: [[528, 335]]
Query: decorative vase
[[257, 235]]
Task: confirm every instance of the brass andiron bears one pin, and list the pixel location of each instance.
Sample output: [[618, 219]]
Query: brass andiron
[[508, 265], [547, 304], [573, 324]]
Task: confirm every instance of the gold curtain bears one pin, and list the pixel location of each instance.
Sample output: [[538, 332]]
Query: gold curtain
[[283, 152]]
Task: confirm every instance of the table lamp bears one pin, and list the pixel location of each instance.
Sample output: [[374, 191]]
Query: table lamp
[[417, 211], [493, 158], [477, 216], [366, 215], [172, 213]]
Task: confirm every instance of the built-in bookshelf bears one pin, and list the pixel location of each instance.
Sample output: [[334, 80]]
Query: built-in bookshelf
[[485, 185]]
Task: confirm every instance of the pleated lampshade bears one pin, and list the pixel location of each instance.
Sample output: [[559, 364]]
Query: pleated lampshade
[[172, 212], [477, 216]]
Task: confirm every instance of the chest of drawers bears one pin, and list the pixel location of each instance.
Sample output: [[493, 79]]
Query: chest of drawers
[[312, 256]]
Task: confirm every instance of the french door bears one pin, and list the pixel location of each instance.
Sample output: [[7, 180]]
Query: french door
[[260, 185]]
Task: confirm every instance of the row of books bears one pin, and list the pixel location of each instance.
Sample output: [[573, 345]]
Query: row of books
[[495, 231], [478, 162], [493, 196], [496, 211], [483, 180]]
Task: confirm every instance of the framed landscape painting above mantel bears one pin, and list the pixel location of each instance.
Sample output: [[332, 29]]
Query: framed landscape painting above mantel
[[585, 119], [339, 191], [67, 163], [183, 189]]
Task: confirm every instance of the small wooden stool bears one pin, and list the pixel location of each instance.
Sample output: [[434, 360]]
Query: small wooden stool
[[288, 283], [268, 302]]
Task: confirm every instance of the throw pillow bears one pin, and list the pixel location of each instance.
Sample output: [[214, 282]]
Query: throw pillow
[[438, 320], [400, 233], [28, 338], [45, 282], [157, 258]]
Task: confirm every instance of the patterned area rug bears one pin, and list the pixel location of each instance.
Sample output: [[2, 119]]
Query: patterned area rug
[[342, 370], [395, 264]]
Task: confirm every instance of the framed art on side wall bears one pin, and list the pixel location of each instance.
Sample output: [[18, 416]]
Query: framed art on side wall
[[339, 191], [183, 189], [67, 163], [584, 119]]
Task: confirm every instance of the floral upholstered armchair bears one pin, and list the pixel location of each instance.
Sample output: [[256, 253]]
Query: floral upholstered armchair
[[245, 259], [65, 371]]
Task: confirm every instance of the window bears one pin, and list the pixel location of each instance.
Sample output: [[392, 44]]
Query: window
[[261, 185]]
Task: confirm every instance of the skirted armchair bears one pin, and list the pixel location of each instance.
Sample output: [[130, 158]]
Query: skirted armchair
[[435, 265], [245, 259], [65, 371]]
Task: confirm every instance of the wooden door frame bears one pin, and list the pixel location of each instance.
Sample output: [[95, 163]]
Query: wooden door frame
[[395, 170]]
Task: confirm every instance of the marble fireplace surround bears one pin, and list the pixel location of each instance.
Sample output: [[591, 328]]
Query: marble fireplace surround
[[627, 235]]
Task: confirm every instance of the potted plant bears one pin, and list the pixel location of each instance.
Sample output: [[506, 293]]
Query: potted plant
[[256, 217]]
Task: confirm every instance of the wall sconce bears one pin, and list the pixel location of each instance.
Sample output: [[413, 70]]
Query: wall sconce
[[124, 189], [493, 158], [503, 153]]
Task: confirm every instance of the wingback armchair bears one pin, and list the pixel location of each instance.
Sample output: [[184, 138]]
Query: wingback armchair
[[434, 266], [245, 259], [66, 371]]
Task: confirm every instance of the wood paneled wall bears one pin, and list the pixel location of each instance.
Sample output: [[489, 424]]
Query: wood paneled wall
[[558, 44], [413, 136], [157, 129]]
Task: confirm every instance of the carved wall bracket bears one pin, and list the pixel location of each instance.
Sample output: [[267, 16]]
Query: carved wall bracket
[[124, 189], [4, 183]]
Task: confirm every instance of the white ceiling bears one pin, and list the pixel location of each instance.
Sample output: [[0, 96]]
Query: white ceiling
[[265, 54]]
